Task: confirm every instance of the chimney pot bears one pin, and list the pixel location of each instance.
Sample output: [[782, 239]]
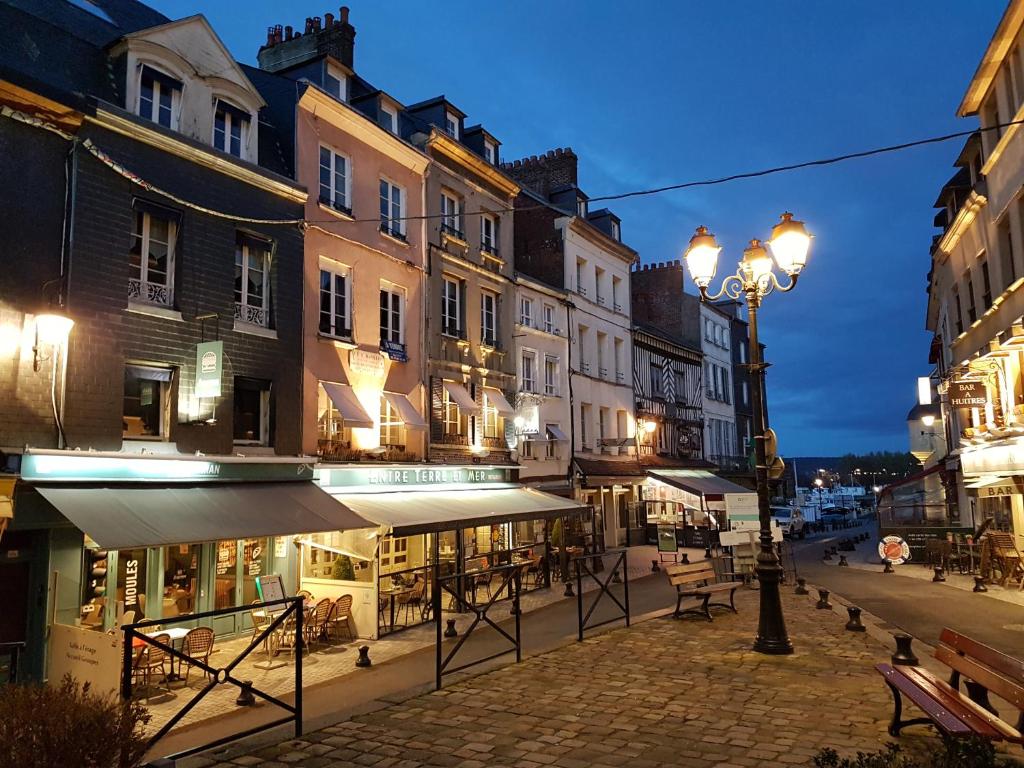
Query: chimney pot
[[316, 24], [270, 36], [328, 20], [287, 33], [343, 17], [309, 24], [278, 33]]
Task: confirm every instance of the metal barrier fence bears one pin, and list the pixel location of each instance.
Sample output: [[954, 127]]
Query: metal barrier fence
[[290, 619], [10, 655], [456, 585], [587, 565]]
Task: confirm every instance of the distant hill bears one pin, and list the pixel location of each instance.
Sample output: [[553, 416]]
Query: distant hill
[[807, 467]]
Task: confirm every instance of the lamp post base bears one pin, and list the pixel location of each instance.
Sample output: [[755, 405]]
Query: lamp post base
[[772, 637]]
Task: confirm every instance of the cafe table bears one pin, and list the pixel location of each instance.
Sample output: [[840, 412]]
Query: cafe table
[[391, 594], [176, 636]]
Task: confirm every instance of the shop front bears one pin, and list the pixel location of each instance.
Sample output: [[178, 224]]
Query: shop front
[[697, 504], [993, 480], [453, 519], [108, 538], [611, 487]]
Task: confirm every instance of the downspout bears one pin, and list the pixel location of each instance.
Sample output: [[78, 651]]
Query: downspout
[[572, 404], [67, 247], [425, 312]]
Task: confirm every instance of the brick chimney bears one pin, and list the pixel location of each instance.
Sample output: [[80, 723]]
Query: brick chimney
[[335, 37], [555, 168]]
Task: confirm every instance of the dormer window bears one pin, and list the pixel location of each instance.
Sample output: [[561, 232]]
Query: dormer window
[[230, 128], [389, 117], [336, 82], [490, 152], [159, 97], [615, 230], [451, 124], [581, 208]]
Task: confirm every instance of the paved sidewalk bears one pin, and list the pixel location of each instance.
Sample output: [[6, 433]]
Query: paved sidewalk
[[664, 692]]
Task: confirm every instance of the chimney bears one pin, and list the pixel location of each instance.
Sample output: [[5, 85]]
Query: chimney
[[555, 168], [287, 33], [335, 37]]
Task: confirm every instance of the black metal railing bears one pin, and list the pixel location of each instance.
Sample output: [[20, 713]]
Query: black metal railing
[[292, 607], [400, 594], [10, 656], [584, 567], [452, 231]]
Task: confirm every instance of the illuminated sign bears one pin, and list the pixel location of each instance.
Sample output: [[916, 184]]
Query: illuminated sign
[[80, 466], [413, 475], [209, 363], [967, 394]]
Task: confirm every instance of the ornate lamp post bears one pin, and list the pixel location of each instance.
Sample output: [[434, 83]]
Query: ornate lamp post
[[753, 281]]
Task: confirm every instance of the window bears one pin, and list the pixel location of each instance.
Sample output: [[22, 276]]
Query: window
[[620, 363], [451, 124], [336, 83], [526, 447], [230, 128], [252, 411], [724, 374], [602, 423], [615, 230], [580, 264], [551, 447], [335, 180], [656, 371], [391, 198], [550, 375], [602, 345], [584, 419], [526, 312], [389, 117], [392, 431], [151, 279], [959, 311], [392, 307], [146, 392], [335, 298], [159, 97], [616, 293], [709, 380], [331, 430], [451, 307], [743, 353], [972, 310], [488, 319], [528, 371], [583, 343], [490, 418], [725, 338], [488, 234], [986, 286], [252, 281], [549, 318], [490, 152], [598, 281], [451, 212], [452, 417]]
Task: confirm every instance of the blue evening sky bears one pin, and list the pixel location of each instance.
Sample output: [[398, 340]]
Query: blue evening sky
[[653, 93]]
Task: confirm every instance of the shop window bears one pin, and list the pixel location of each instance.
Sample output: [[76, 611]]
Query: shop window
[[226, 574], [251, 411], [181, 577], [490, 419], [332, 433], [144, 412], [330, 556], [452, 417], [131, 582], [392, 428]]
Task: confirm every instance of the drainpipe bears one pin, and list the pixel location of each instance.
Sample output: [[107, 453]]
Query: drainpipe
[[572, 404], [65, 273]]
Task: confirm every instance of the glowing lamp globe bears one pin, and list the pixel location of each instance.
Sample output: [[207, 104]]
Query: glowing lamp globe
[[53, 327], [756, 262], [790, 244], [702, 257]]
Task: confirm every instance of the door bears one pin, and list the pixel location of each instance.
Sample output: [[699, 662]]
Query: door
[[14, 591]]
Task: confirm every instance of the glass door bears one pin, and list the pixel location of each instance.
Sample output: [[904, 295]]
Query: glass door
[[225, 585]]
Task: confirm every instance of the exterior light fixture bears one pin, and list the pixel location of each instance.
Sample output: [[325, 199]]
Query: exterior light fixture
[[702, 257], [790, 244], [928, 419], [52, 330], [650, 426], [819, 482]]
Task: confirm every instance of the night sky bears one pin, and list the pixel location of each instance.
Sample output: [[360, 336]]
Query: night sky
[[655, 93]]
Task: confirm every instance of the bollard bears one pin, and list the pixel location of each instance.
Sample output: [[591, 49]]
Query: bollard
[[828, 554], [654, 566], [686, 558], [835, 550], [616, 579], [568, 589], [888, 567], [245, 697], [939, 575], [450, 630], [707, 552], [979, 584], [842, 561], [823, 604], [364, 657], [801, 586], [854, 625], [904, 655]]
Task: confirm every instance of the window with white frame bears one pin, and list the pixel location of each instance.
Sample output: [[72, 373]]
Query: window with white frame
[[580, 264], [335, 300], [151, 258], [549, 318], [584, 424], [528, 371], [335, 180], [144, 413], [616, 293], [490, 418], [451, 214], [598, 285], [490, 151], [451, 124], [488, 318], [452, 417], [336, 82], [230, 128], [332, 433], [743, 353], [615, 230], [252, 281], [551, 448], [526, 311], [392, 429], [488, 234], [159, 97], [392, 198], [251, 415], [550, 375], [451, 307], [724, 373], [389, 117], [620, 363], [392, 312], [602, 423]]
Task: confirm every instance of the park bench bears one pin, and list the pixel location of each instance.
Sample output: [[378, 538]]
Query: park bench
[[984, 670], [698, 580]]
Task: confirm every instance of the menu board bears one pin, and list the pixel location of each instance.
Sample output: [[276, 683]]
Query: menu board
[[271, 587], [667, 538]]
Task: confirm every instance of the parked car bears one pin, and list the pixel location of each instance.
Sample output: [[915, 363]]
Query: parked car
[[791, 521]]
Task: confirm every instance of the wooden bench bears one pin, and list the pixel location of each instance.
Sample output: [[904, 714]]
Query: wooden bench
[[698, 580], [955, 713]]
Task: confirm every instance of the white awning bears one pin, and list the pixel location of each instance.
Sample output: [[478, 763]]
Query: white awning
[[404, 513], [501, 405], [699, 482], [348, 405], [557, 434], [406, 410], [458, 393]]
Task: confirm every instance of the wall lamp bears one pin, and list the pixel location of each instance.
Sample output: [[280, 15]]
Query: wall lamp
[[52, 330]]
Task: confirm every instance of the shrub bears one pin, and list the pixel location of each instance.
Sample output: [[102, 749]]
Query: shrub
[[342, 569], [950, 753], [67, 725]]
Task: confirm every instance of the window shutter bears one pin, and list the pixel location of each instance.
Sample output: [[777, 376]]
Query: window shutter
[[476, 430], [436, 409], [462, 309]]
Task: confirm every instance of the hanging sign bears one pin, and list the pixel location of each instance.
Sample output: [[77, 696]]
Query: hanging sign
[[967, 394], [209, 365], [894, 549]]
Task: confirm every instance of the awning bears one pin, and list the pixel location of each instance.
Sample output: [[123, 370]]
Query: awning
[[458, 393], [697, 481], [993, 485], [406, 410], [348, 405], [557, 434], [501, 405], [128, 516], [410, 512]]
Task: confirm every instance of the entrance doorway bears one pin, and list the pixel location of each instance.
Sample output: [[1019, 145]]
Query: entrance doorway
[[14, 591]]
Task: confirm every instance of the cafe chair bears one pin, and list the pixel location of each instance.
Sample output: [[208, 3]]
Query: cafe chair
[[316, 627], [340, 617], [305, 594], [413, 600], [197, 645], [150, 659], [260, 621]]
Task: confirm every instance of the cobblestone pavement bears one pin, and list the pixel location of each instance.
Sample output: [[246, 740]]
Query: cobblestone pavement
[[664, 692]]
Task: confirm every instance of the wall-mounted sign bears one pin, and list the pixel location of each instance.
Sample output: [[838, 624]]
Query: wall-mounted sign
[[370, 363], [398, 475], [395, 351], [209, 365], [81, 466], [967, 394], [894, 549]]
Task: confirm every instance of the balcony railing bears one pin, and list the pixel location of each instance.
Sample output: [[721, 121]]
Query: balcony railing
[[247, 313], [393, 230], [451, 231], [337, 205], [489, 249], [151, 293], [585, 368], [620, 377], [451, 438], [617, 307], [602, 372]]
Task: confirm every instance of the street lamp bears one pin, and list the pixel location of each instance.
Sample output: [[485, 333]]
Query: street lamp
[[754, 280]]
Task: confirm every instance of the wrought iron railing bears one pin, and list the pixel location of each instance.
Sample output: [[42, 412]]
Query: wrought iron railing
[[152, 293], [247, 313]]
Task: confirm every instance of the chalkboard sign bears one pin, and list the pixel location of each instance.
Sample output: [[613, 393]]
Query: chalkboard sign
[[667, 538], [271, 587]]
